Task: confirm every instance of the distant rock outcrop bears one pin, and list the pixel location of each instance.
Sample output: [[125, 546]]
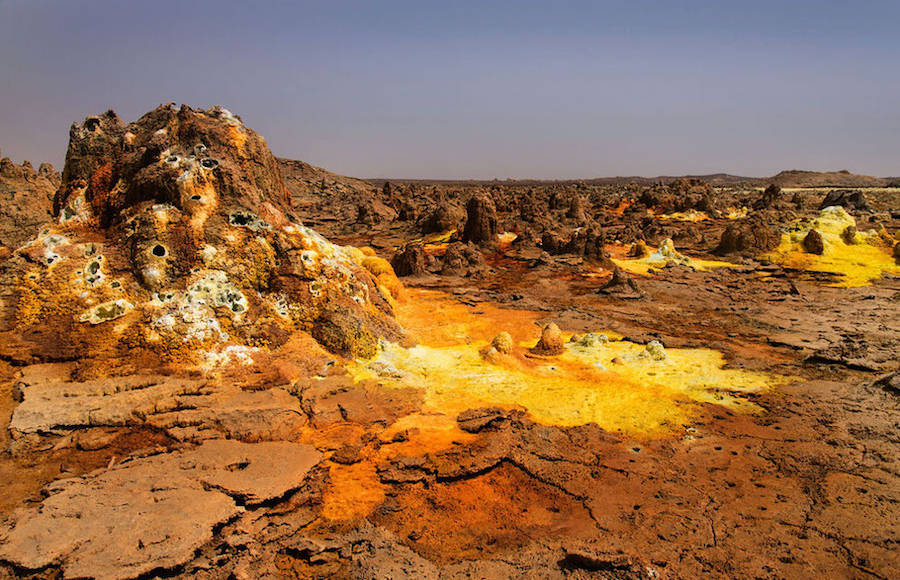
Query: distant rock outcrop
[[798, 178], [849, 199]]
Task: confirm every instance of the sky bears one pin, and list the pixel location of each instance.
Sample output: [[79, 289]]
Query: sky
[[477, 89]]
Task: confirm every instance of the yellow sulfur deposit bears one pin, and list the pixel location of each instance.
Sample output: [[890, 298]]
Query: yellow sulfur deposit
[[619, 385], [737, 213], [664, 255], [436, 242], [690, 215], [858, 263], [693, 215]]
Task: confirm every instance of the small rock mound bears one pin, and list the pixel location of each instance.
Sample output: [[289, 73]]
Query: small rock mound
[[639, 249], [503, 342], [462, 260], [621, 285], [813, 243], [769, 197], [550, 343], [26, 198], [442, 218]]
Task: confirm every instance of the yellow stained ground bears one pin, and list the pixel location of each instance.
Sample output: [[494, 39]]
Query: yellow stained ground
[[436, 242], [857, 264], [662, 256], [693, 215], [633, 395]]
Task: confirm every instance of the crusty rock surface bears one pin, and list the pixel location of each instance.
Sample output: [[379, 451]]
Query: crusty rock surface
[[752, 236], [481, 220], [621, 285], [813, 243], [150, 513], [175, 237], [551, 342], [410, 261], [25, 200], [186, 409], [850, 199]]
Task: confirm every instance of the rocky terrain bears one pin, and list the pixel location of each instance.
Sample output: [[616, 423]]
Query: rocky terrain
[[220, 364], [26, 198]]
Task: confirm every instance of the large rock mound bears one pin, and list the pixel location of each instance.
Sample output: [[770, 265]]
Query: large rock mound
[[173, 238]]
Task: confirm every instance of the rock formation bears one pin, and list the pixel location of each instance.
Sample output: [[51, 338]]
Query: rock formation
[[550, 343], [154, 512], [174, 238], [621, 285], [462, 260], [813, 243], [442, 218], [410, 261], [503, 342], [25, 200], [752, 237], [769, 197], [481, 220], [850, 199]]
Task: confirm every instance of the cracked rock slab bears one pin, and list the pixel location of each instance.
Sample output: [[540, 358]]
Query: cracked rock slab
[[185, 408], [150, 513]]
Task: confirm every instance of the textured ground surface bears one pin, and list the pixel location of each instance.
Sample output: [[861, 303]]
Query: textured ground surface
[[694, 409]]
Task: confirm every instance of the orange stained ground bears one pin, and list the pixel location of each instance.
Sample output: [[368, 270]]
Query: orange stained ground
[[354, 491], [498, 511]]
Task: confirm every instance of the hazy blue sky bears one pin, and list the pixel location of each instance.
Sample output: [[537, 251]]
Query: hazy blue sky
[[477, 89]]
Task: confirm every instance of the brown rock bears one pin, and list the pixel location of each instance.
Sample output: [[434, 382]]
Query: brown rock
[[621, 285], [813, 243], [850, 199], [503, 342], [25, 201], [443, 218], [769, 197], [849, 235], [410, 261], [552, 242], [150, 513], [481, 220], [576, 209], [461, 259], [639, 249], [168, 226], [550, 343], [752, 236]]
